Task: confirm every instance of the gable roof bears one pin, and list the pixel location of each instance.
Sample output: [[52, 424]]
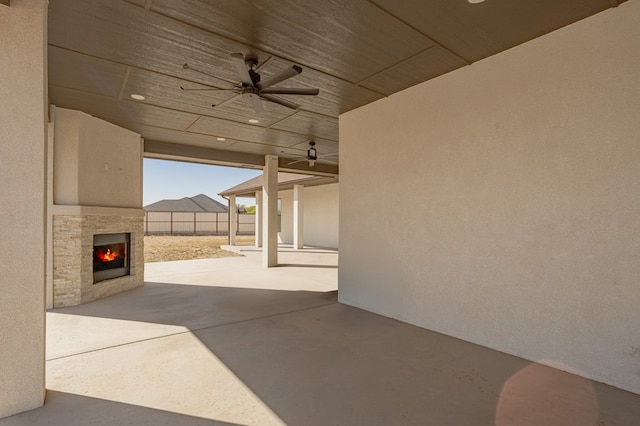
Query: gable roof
[[198, 203], [285, 181]]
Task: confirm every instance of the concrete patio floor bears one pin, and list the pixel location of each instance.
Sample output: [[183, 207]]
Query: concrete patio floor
[[226, 342]]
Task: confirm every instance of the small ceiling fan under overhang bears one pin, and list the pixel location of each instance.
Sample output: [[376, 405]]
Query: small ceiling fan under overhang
[[253, 87], [312, 156]]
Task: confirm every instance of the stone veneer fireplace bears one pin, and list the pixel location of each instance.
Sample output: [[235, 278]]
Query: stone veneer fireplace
[[95, 188], [81, 234]]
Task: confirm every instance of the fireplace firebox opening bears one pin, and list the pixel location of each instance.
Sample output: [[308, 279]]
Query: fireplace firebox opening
[[111, 256]]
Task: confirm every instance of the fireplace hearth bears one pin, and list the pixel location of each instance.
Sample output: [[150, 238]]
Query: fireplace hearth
[[110, 256]]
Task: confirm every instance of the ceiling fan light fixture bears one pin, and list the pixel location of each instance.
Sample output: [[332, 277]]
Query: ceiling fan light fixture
[[312, 154], [311, 158], [475, 1]]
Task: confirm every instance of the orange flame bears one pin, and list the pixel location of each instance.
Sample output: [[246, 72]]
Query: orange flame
[[108, 256]]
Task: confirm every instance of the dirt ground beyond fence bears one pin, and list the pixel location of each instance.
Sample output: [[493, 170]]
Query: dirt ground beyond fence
[[161, 248]]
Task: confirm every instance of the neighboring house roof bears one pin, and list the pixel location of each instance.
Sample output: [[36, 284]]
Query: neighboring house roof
[[285, 181], [198, 203]]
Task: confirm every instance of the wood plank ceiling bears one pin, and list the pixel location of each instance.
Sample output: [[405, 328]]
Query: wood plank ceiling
[[354, 51]]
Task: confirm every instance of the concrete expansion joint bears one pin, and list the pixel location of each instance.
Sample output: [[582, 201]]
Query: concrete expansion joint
[[118, 345], [193, 330], [293, 311]]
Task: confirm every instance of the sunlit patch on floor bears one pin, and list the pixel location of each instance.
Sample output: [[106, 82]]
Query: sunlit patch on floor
[[175, 373]]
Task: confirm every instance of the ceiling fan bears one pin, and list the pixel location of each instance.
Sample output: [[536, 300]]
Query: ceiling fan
[[253, 87], [312, 156]]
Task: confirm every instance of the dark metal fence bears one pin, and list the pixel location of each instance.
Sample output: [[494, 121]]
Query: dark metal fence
[[196, 223]]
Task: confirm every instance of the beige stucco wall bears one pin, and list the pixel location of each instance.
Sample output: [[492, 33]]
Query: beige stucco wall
[[96, 163], [22, 204], [320, 216], [506, 201]]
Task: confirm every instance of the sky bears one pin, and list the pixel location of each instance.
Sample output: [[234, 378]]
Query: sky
[[172, 180]]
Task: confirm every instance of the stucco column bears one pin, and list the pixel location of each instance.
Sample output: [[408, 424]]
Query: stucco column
[[49, 248], [23, 136], [270, 212], [258, 219], [233, 220], [298, 216]]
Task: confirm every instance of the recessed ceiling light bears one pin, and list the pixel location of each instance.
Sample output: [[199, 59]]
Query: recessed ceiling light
[[475, 1], [222, 139], [254, 121], [137, 97]]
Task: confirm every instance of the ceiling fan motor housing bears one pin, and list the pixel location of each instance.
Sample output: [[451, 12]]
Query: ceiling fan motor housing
[[252, 87], [255, 77]]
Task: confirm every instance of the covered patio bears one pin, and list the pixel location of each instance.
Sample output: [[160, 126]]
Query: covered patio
[[502, 139], [227, 342]]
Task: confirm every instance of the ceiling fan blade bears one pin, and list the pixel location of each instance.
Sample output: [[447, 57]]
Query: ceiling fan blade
[[257, 105], [297, 161], [226, 101], [275, 79], [241, 68], [191, 89], [290, 91], [280, 101]]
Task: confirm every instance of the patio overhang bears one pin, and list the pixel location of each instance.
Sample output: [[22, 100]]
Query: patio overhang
[[286, 181]]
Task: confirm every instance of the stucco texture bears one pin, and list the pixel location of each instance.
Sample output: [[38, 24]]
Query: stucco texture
[[506, 200], [96, 163], [22, 203]]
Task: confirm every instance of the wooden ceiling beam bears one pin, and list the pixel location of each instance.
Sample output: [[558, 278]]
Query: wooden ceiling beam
[[196, 154]]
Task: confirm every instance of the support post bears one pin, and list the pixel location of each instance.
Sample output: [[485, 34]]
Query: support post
[[258, 219], [233, 220], [23, 197], [298, 217], [270, 212]]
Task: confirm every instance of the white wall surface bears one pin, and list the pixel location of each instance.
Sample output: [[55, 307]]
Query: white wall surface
[[320, 216], [509, 191], [285, 234], [96, 163], [23, 122]]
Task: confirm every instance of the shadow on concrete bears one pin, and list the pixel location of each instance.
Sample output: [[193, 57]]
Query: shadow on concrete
[[297, 265], [314, 361], [68, 409], [341, 365], [197, 307]]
